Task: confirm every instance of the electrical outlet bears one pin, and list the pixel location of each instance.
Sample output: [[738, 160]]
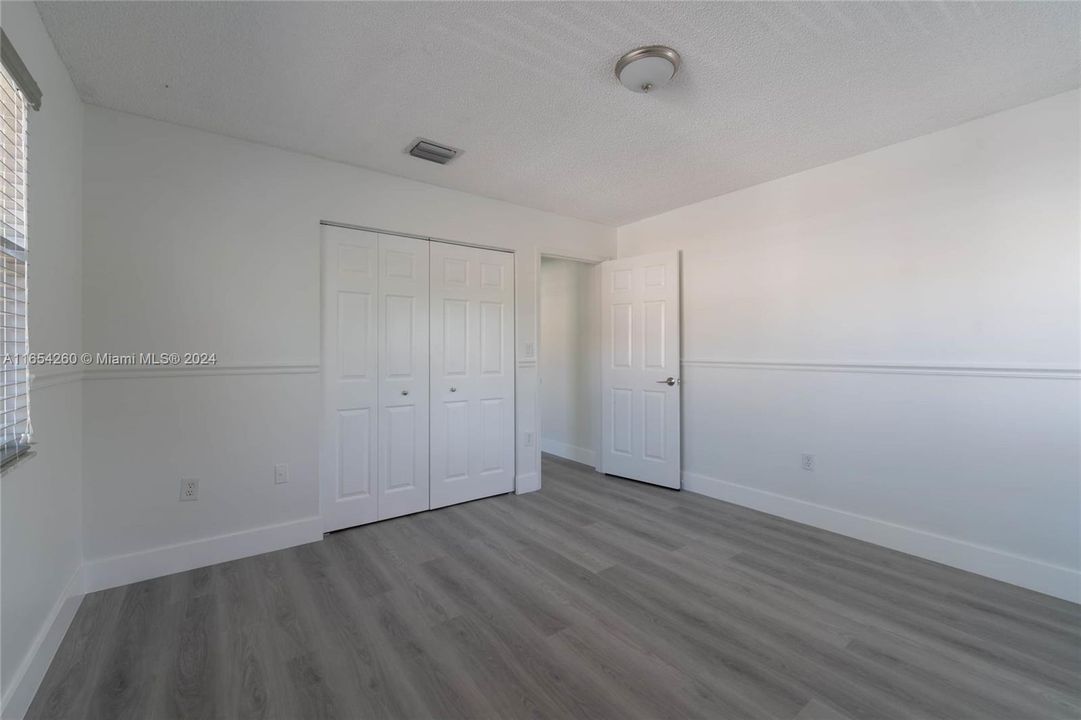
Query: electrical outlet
[[189, 489], [807, 462], [527, 439], [281, 474]]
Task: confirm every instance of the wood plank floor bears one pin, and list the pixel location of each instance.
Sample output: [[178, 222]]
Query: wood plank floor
[[594, 598]]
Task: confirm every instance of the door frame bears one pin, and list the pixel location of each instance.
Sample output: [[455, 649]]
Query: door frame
[[594, 262], [519, 486]]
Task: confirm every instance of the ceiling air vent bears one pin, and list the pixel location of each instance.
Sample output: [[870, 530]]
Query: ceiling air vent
[[428, 150]]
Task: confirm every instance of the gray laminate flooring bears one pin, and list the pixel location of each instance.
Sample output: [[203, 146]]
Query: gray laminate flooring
[[594, 598]]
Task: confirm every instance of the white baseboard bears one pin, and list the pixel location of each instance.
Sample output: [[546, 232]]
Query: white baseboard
[[570, 452], [526, 483], [155, 562], [123, 569], [32, 669], [1060, 582]]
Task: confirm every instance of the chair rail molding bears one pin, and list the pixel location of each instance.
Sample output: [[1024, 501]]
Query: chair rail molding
[[126, 372], [1002, 371], [51, 378]]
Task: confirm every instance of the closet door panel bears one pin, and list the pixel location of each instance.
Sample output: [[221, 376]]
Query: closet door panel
[[403, 376], [348, 448], [356, 434], [492, 435], [457, 431], [418, 375], [472, 376]]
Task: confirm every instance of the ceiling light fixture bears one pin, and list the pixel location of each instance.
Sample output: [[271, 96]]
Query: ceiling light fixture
[[647, 68]]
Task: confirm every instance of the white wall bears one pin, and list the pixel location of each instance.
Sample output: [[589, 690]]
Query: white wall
[[197, 242], [911, 317], [41, 497], [568, 362]]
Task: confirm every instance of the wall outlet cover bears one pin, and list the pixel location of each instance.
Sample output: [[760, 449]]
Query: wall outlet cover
[[281, 474], [189, 489], [807, 462]]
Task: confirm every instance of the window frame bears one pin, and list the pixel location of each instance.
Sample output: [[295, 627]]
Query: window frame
[[20, 95]]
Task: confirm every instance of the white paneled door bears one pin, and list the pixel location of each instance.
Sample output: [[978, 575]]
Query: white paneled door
[[418, 375], [640, 368], [403, 376], [472, 373], [348, 462]]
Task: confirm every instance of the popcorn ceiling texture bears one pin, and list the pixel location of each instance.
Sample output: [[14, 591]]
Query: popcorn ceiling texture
[[528, 91]]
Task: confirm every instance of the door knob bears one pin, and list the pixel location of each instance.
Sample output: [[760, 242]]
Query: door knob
[[405, 392], [668, 381], [454, 389]]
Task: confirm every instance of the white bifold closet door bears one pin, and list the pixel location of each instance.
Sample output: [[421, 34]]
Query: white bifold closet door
[[414, 417], [374, 434], [472, 373]]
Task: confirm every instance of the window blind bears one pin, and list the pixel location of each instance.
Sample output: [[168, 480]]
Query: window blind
[[15, 429]]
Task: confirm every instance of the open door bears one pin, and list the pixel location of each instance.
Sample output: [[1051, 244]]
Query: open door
[[640, 381]]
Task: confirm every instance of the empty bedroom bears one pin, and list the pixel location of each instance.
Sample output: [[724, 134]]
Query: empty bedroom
[[498, 360]]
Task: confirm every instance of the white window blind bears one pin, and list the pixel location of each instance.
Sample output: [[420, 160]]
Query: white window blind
[[15, 427]]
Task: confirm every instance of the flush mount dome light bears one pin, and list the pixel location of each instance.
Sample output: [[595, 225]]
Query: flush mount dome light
[[647, 68]]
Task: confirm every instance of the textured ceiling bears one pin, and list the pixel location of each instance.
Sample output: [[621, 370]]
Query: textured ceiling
[[527, 89]]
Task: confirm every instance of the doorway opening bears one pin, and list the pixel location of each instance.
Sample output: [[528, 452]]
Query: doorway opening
[[569, 359]]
